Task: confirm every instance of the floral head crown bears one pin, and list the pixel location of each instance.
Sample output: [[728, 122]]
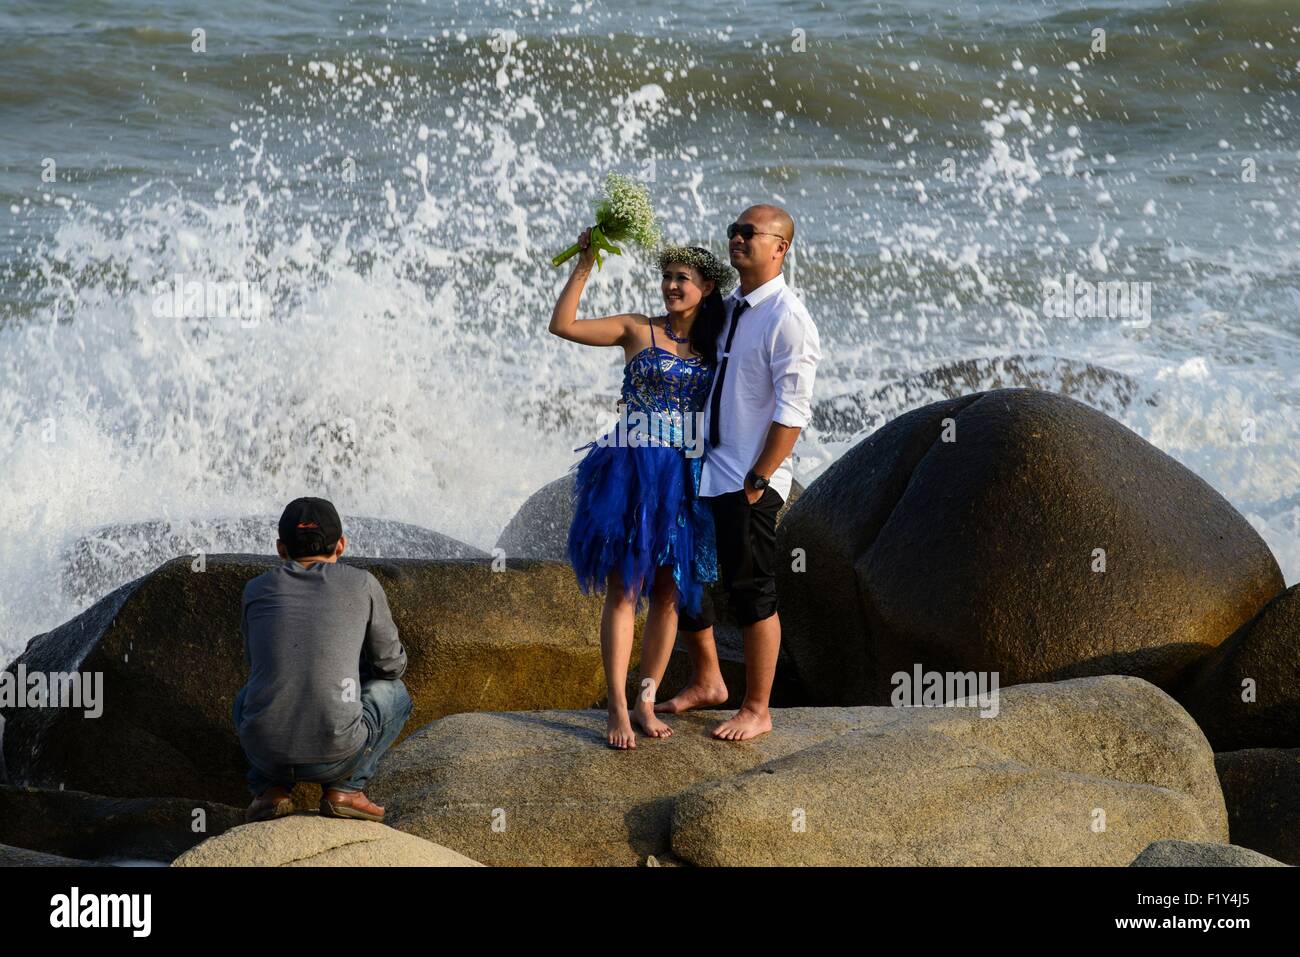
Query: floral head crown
[[710, 267]]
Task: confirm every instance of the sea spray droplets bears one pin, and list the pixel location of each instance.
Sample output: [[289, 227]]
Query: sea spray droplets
[[423, 302]]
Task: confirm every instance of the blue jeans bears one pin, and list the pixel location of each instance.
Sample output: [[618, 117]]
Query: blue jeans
[[385, 706]]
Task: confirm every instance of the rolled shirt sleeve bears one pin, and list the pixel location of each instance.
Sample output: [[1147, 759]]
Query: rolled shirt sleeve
[[384, 649], [796, 350]]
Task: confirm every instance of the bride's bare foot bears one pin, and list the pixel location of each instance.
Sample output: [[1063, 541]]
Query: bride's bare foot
[[620, 731], [644, 718], [745, 725], [694, 695]]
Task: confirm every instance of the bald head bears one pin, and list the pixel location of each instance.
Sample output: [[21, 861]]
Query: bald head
[[759, 258], [770, 219]]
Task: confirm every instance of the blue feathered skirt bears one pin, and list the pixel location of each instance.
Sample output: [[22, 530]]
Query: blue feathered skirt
[[635, 509]]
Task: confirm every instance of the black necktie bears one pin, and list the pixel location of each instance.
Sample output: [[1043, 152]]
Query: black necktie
[[715, 405]]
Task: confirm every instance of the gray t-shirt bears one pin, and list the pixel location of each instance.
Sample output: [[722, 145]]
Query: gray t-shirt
[[305, 630]]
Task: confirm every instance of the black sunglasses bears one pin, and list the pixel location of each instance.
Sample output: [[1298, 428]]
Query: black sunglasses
[[747, 231]]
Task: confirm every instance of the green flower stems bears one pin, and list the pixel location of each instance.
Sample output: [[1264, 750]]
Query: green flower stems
[[598, 242]]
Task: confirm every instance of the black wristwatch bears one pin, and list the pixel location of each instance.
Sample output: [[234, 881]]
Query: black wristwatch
[[756, 480]]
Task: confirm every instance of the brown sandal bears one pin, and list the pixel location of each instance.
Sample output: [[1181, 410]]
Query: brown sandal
[[272, 803], [350, 804]]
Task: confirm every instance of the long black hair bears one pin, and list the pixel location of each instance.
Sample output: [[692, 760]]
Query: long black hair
[[708, 321], [708, 326]]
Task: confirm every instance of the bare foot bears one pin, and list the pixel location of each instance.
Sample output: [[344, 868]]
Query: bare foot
[[694, 695], [745, 725], [644, 718], [620, 731]]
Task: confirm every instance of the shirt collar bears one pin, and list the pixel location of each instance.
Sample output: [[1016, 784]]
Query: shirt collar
[[756, 296]]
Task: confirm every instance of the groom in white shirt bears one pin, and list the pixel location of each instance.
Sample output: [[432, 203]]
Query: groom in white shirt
[[761, 398]]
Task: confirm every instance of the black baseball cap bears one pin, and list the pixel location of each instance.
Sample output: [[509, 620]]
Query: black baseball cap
[[310, 526]]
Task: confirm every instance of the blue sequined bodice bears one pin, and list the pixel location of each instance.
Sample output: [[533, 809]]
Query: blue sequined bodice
[[659, 382]]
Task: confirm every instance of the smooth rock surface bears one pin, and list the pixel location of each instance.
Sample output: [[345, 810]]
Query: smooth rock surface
[[542, 787], [979, 553], [1082, 772], [22, 857], [1195, 854], [309, 840]]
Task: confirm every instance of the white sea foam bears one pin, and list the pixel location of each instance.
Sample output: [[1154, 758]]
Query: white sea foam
[[402, 366]]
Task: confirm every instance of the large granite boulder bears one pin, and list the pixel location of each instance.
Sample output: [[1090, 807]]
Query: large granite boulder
[[1197, 854], [1261, 788], [309, 840], [169, 649], [92, 826], [878, 784], [112, 555], [971, 534], [1083, 772], [1246, 693], [543, 787]]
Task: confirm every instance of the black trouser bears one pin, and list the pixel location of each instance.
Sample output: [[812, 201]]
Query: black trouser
[[746, 540]]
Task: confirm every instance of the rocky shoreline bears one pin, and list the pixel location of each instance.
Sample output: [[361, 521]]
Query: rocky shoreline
[[1146, 647]]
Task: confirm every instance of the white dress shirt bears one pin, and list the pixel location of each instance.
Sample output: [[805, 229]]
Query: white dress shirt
[[769, 378]]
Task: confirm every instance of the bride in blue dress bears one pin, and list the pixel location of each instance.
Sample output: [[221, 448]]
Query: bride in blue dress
[[638, 525]]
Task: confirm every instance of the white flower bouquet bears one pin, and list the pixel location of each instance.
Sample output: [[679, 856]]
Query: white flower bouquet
[[623, 215]]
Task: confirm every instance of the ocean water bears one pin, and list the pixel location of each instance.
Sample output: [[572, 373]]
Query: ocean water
[[390, 180]]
